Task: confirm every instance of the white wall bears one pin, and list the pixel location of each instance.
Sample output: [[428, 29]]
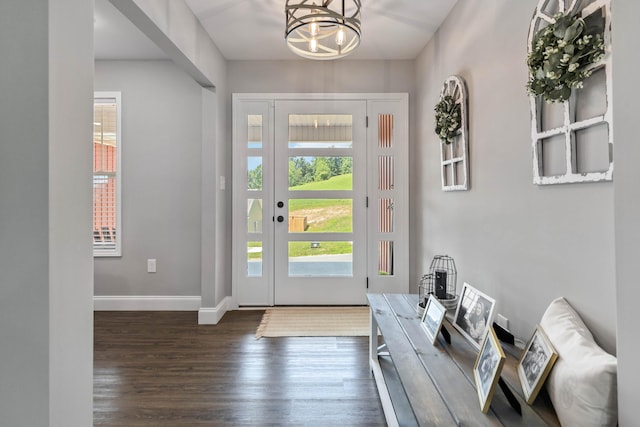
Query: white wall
[[520, 243], [46, 320], [161, 173]]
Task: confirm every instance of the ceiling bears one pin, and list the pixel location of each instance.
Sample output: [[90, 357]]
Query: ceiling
[[254, 29]]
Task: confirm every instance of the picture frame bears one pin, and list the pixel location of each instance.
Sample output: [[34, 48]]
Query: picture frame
[[474, 314], [432, 318], [487, 369], [535, 364]]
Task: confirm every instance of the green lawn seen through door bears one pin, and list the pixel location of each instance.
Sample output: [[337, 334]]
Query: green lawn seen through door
[[329, 215]]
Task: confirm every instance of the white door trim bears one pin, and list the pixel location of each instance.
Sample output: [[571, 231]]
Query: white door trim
[[375, 101]]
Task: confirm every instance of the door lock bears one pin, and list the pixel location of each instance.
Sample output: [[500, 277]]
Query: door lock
[[280, 218]]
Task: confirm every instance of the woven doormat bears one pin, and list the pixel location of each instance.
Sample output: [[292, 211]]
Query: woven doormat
[[314, 322]]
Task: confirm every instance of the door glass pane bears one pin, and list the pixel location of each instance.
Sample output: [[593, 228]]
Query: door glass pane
[[385, 130], [385, 215], [254, 131], [320, 215], [254, 259], [321, 258], [254, 215], [321, 173], [385, 258], [105, 166], [254, 173], [385, 172], [320, 130]]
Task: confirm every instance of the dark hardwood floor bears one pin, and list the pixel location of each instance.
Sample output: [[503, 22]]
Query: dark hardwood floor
[[162, 369]]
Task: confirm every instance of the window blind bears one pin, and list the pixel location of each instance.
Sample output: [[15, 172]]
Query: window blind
[[106, 181]]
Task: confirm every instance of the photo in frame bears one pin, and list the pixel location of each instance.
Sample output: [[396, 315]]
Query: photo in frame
[[487, 368], [535, 364], [432, 318], [474, 314]]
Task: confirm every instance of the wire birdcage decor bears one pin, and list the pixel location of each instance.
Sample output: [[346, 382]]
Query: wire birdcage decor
[[440, 282]]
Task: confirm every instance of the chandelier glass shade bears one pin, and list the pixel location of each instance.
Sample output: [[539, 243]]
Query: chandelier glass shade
[[329, 30]]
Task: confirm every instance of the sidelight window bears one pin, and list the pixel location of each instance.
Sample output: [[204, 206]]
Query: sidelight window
[[107, 148]]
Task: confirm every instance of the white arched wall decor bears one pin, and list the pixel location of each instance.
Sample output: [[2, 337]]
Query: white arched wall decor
[[573, 141], [454, 163]]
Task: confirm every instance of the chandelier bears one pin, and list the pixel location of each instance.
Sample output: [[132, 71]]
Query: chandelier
[[329, 30]]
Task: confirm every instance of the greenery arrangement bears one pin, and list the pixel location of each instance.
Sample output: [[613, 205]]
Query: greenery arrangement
[[448, 118], [561, 55]]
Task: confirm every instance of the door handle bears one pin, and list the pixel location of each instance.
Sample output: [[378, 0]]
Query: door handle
[[280, 218], [280, 204]]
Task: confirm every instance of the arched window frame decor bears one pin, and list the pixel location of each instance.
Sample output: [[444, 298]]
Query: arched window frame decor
[[570, 124], [454, 163]]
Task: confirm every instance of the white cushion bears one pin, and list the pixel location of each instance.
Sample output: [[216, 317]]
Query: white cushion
[[583, 382]]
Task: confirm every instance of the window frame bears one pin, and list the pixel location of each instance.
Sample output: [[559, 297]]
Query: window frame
[[116, 251], [571, 125]]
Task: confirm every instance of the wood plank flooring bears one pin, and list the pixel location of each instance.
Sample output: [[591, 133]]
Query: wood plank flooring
[[163, 369]]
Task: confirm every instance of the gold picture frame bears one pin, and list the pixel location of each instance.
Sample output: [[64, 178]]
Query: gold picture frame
[[535, 364], [487, 368]]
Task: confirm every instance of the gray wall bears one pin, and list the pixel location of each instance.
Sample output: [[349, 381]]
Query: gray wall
[[173, 27], [520, 243], [46, 319], [627, 208], [24, 216], [303, 76], [161, 174]]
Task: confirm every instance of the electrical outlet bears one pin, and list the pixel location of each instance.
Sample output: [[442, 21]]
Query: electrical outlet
[[151, 266], [502, 321]]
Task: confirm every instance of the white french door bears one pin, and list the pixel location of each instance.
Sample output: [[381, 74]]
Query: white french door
[[320, 192], [320, 211]]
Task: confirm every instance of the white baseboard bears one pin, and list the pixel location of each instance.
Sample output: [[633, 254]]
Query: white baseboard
[[146, 303], [212, 315]]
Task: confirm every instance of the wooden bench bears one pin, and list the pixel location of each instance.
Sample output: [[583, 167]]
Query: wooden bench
[[425, 385]]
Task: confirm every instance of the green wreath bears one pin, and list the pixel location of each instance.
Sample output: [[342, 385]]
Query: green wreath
[[447, 118], [560, 57]]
